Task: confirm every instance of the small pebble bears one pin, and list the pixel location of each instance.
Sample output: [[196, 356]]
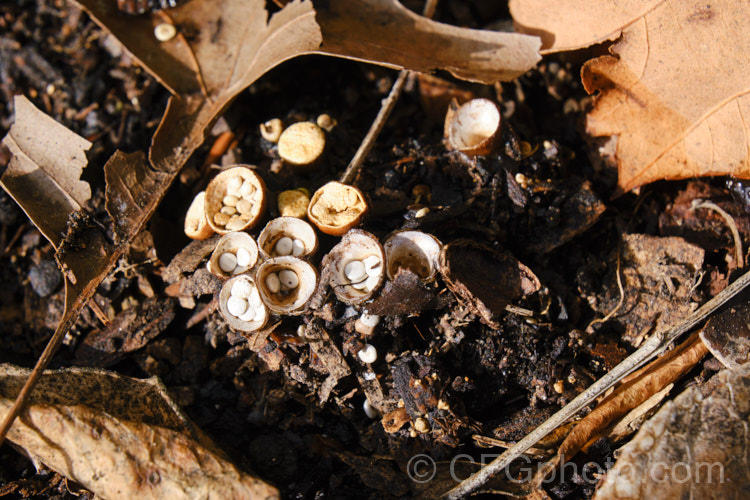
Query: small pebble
[[284, 246], [355, 270], [244, 206], [368, 354], [243, 257], [236, 306], [235, 223], [241, 288], [233, 185], [221, 219], [272, 283], [45, 278], [249, 315], [230, 201], [288, 278], [246, 189], [372, 265], [227, 262], [370, 411], [298, 247]]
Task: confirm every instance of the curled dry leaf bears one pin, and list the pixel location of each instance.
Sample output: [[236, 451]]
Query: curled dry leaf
[[144, 446], [636, 389], [233, 43], [674, 91], [43, 175], [694, 447]]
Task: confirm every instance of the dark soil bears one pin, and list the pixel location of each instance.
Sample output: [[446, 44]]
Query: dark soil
[[539, 201]]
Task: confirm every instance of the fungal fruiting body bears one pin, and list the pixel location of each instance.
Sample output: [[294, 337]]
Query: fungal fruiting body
[[286, 284], [302, 143], [271, 130], [241, 305], [357, 266], [196, 225], [235, 200], [474, 127], [235, 253], [287, 236], [293, 203], [416, 251], [335, 208]]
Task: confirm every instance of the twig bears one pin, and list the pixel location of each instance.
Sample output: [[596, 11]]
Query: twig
[[387, 106], [651, 348], [732, 227]]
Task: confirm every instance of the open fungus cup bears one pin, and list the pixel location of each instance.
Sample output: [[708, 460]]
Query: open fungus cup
[[287, 236], [413, 250], [235, 253], [357, 268], [196, 225], [335, 208], [241, 306], [235, 200], [286, 284], [474, 127], [302, 144]]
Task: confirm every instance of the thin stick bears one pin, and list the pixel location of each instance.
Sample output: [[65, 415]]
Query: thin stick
[[352, 171], [651, 348]]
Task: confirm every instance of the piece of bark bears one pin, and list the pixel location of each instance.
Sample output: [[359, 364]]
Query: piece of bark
[[694, 447], [727, 334], [485, 279], [405, 294], [127, 332]]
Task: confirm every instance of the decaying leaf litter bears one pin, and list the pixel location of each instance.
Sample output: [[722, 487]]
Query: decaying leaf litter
[[491, 205]]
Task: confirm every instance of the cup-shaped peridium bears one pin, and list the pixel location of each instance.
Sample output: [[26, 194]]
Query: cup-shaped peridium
[[287, 236], [335, 208], [235, 253], [474, 127], [286, 284], [240, 304], [196, 225], [413, 250], [235, 200], [357, 267]]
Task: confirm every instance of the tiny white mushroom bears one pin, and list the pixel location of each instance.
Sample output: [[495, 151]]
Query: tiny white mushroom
[[368, 354], [298, 247], [227, 262], [236, 306], [370, 410], [241, 289], [288, 278], [355, 271], [284, 246], [273, 283], [164, 32]]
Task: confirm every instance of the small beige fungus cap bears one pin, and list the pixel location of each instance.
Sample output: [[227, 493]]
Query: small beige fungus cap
[[196, 225], [474, 127], [241, 306], [286, 284], [271, 130], [293, 203], [302, 143], [287, 236], [326, 122], [335, 208], [235, 200], [164, 32], [235, 253]]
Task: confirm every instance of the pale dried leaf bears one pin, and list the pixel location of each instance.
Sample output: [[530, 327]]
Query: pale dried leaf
[[574, 24], [120, 438], [633, 392], [43, 175], [675, 90], [694, 447]]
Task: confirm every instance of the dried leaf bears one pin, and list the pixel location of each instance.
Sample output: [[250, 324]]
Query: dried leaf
[[142, 445], [44, 171], [232, 43], [635, 390], [674, 91], [694, 447]]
